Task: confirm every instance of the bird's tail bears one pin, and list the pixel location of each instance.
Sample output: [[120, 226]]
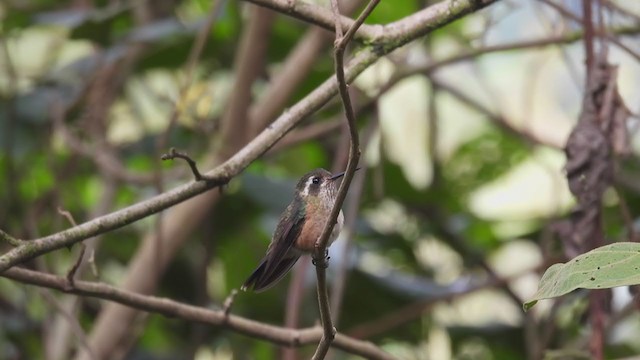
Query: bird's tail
[[265, 276]]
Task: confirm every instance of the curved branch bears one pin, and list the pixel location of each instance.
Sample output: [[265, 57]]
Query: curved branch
[[320, 254], [171, 308]]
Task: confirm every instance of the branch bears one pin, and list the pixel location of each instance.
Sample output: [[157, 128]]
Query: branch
[[318, 15], [76, 265], [432, 17], [174, 309], [10, 239], [390, 36], [174, 154], [320, 259]]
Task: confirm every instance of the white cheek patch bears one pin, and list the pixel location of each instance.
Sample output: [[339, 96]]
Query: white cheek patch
[[305, 192]]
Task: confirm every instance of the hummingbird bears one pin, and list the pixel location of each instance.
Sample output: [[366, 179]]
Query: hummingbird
[[299, 228]]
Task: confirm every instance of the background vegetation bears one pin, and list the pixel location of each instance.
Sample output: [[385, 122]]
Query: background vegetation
[[461, 204]]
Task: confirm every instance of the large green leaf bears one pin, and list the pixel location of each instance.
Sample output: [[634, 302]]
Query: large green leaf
[[609, 266]]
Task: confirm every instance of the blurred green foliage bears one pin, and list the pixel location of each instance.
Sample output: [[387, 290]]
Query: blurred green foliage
[[388, 270]]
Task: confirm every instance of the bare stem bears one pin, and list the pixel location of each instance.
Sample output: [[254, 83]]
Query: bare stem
[[76, 265], [10, 239], [319, 256], [174, 154]]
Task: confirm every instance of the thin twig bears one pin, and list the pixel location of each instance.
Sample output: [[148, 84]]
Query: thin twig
[[68, 216], [10, 239], [72, 272], [320, 253], [76, 265], [228, 302], [174, 309], [174, 154]]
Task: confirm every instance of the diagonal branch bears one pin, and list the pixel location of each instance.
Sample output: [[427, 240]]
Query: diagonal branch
[[176, 309]]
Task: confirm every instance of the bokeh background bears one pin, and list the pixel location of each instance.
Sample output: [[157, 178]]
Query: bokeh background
[[450, 222]]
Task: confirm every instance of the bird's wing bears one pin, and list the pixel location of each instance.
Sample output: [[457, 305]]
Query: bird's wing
[[279, 260], [288, 230], [258, 280]]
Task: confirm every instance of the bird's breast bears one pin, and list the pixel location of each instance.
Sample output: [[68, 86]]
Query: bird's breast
[[312, 229]]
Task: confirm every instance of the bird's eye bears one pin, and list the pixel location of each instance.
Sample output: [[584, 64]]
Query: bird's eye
[[315, 180]]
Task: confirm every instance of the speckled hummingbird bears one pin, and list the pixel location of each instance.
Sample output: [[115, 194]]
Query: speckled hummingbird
[[299, 227]]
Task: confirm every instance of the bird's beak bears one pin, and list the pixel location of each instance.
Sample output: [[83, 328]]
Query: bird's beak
[[339, 175]]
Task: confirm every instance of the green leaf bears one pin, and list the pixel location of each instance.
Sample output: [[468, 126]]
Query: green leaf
[[609, 266]]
